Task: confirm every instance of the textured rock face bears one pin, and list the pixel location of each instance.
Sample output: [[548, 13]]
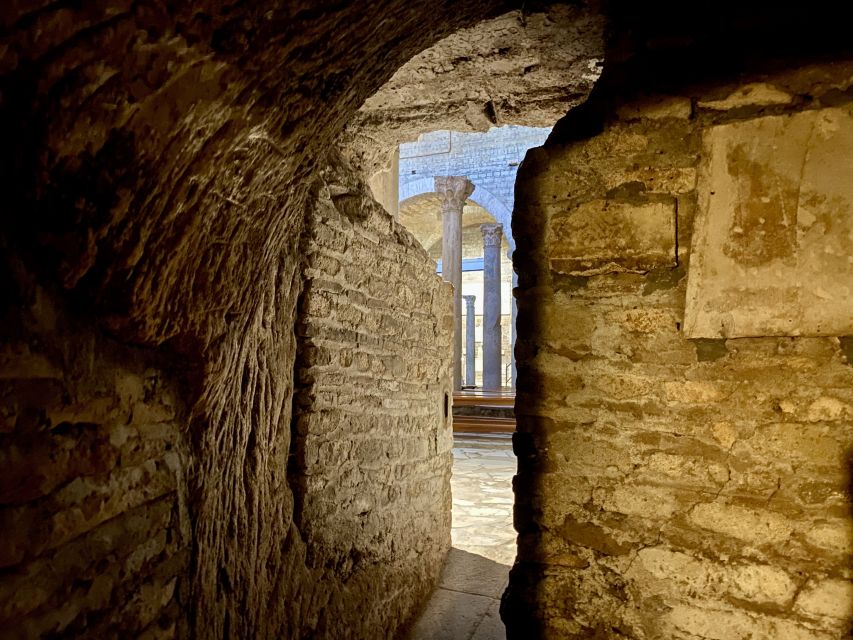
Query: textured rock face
[[93, 498], [774, 234], [676, 488], [158, 162], [370, 462], [159, 165], [520, 68]]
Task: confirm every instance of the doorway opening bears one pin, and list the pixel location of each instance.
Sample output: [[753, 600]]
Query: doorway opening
[[468, 179], [440, 146]]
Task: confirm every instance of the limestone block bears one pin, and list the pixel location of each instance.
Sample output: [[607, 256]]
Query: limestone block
[[644, 502], [669, 180], [719, 624], [604, 236], [834, 537], [750, 525], [754, 94], [773, 241], [831, 598], [763, 584]]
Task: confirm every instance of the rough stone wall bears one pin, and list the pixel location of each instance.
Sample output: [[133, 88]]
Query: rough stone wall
[[371, 455], [157, 161], [93, 504], [673, 488]]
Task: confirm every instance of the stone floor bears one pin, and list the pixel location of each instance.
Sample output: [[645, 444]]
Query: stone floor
[[465, 606], [483, 467]]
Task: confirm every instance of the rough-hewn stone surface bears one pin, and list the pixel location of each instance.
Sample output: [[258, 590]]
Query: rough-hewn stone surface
[[157, 167], [525, 67], [671, 488], [157, 162], [371, 458], [490, 160], [93, 505], [774, 234]]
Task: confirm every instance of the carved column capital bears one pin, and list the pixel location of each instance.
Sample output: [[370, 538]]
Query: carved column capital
[[453, 191], [492, 234], [469, 300]]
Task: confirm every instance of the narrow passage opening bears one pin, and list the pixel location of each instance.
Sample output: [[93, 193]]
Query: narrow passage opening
[[440, 145], [456, 194]]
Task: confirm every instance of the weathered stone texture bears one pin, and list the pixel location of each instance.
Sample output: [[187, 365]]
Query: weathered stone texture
[[604, 236], [158, 159], [371, 457], [774, 234], [525, 67], [93, 504], [672, 488], [489, 160]]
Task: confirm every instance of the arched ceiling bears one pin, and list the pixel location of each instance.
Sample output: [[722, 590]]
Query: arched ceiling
[[518, 68]]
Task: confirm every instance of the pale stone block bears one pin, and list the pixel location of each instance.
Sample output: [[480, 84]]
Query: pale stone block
[[725, 433], [795, 442], [690, 391], [749, 95], [834, 536], [827, 408], [773, 235], [831, 598], [603, 236], [669, 180], [763, 583], [720, 624], [664, 564], [644, 502], [756, 527]]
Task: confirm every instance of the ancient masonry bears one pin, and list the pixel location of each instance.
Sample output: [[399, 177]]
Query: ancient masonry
[[225, 372], [689, 478], [372, 437], [489, 160]]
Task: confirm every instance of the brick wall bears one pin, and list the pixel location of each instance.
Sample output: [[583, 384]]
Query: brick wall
[[157, 163], [371, 454], [674, 487], [95, 534]]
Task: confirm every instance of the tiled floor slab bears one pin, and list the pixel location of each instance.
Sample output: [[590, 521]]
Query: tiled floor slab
[[466, 605]]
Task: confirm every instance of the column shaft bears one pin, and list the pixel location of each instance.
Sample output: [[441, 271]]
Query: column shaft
[[514, 315], [452, 192], [492, 373], [470, 373]]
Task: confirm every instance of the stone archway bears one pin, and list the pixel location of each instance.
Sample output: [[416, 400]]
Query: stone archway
[[481, 196]]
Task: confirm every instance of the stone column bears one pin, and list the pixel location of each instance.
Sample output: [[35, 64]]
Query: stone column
[[470, 378], [492, 374], [512, 320], [452, 192]]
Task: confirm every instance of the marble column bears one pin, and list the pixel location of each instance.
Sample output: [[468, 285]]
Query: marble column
[[452, 192], [470, 373], [512, 325], [492, 373]]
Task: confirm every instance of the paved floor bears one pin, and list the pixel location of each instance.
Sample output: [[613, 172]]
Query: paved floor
[[466, 604], [483, 467]]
